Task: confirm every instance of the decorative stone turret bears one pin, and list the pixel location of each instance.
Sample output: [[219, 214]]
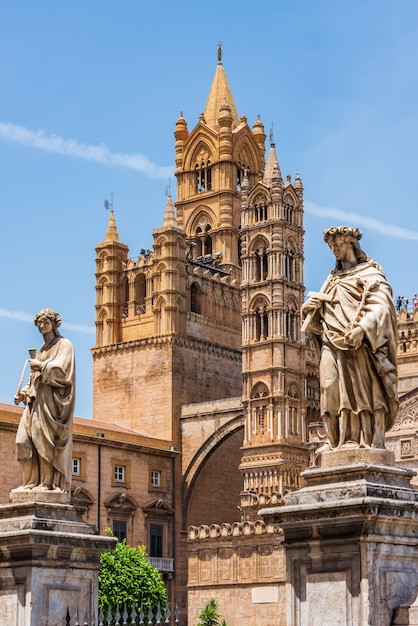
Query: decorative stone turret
[[111, 257]]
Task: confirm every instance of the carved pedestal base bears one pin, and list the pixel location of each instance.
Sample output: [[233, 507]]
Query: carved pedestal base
[[351, 540], [49, 559]]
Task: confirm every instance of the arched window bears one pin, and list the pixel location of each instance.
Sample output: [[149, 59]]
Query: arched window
[[261, 324], [124, 287], [261, 264], [290, 263], [140, 293], [259, 209], [203, 240], [241, 169], [292, 323], [289, 209], [203, 176], [195, 298]]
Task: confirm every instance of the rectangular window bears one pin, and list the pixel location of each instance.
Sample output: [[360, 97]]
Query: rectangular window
[[156, 540], [76, 467], [119, 473], [155, 478], [119, 529]]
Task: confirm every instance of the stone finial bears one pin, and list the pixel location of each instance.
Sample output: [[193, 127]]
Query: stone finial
[[170, 216], [112, 231]]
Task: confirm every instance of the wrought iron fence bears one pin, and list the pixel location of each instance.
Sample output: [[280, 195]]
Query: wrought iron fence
[[123, 616]]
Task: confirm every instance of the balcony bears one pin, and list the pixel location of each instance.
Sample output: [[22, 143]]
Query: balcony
[[163, 565]]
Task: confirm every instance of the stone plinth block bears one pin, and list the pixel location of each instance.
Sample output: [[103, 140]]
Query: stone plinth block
[[351, 541], [49, 559]]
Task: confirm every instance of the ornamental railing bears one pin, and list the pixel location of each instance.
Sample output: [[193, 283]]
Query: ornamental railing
[[123, 616]]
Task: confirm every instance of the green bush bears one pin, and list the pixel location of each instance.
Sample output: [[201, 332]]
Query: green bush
[[127, 577]]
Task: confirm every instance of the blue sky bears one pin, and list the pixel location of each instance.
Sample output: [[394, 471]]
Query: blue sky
[[91, 92]]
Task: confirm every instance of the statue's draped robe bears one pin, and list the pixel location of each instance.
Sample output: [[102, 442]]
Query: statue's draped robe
[[363, 379], [45, 429]]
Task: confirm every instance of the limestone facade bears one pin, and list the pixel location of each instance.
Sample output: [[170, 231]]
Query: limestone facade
[[114, 471], [205, 394]]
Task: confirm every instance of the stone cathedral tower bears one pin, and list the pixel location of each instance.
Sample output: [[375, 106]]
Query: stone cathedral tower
[[209, 318], [274, 355], [213, 310]]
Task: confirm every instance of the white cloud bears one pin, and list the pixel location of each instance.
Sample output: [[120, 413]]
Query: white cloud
[[357, 219], [27, 317], [69, 147]]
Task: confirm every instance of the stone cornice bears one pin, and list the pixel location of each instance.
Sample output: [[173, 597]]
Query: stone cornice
[[236, 529], [174, 340]]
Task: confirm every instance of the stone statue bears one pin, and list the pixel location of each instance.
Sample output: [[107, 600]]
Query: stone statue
[[353, 320], [44, 436]]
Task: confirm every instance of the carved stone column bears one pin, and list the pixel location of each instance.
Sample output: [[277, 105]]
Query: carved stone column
[[351, 542]]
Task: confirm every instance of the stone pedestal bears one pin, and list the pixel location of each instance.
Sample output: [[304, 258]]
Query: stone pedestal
[[49, 560], [351, 540]]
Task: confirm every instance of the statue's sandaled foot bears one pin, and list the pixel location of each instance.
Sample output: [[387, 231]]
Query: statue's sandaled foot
[[43, 488]]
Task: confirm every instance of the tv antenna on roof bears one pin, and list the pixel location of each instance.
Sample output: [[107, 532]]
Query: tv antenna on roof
[[109, 205]]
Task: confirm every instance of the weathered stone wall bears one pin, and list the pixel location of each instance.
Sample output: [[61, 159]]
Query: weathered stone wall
[[242, 567]]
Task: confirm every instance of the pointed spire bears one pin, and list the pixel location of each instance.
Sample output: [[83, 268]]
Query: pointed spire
[[219, 94], [272, 167], [112, 231], [169, 217]]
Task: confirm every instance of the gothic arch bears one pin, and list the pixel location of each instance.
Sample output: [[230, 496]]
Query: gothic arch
[[200, 227], [257, 242], [293, 391], [140, 292], [160, 303], [202, 154], [161, 268], [101, 289], [292, 319], [259, 259], [100, 326], [259, 307], [291, 264], [196, 298], [246, 150], [200, 217], [259, 390], [259, 300], [101, 261], [201, 139], [229, 434], [291, 198], [259, 192]]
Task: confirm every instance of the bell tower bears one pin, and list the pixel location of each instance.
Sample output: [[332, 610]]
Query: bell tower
[[210, 164], [272, 290], [169, 321]]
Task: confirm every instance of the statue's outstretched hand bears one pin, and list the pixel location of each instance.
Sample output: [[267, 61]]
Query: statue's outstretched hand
[[354, 337]]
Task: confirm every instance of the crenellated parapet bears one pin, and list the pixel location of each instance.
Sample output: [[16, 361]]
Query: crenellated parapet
[[236, 529]]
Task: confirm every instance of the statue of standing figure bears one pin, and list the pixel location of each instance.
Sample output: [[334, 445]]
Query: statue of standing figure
[[44, 436], [353, 320]]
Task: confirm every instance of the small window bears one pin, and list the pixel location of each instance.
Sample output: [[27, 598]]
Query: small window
[[120, 473], [119, 529], [156, 540], [76, 467], [155, 478]]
